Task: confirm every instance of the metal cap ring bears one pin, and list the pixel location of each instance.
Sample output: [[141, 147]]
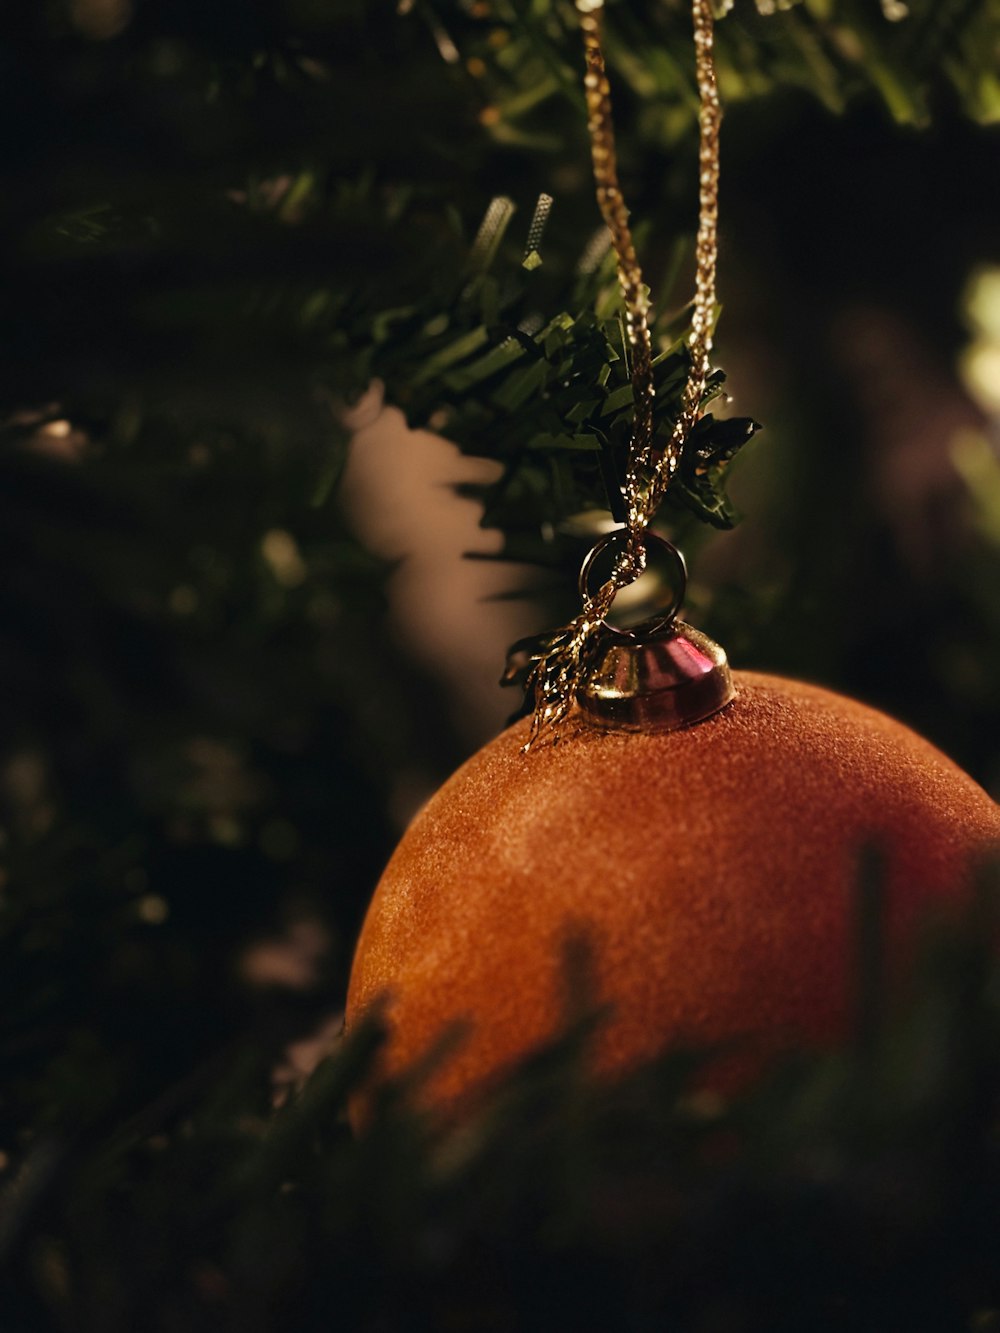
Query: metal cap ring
[[666, 617]]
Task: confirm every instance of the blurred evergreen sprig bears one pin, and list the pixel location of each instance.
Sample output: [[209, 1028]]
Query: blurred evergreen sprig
[[857, 1189]]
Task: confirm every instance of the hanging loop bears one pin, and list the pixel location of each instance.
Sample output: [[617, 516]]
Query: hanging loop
[[662, 619]]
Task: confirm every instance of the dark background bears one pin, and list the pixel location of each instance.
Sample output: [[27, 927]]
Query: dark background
[[215, 726]]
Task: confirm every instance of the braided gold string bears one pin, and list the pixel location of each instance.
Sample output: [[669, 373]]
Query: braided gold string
[[635, 295], [559, 671]]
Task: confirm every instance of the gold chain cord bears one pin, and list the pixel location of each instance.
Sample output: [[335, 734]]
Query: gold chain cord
[[558, 673]]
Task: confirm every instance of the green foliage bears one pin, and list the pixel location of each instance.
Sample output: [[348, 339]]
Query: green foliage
[[294, 231], [534, 374], [545, 400], [857, 1189]]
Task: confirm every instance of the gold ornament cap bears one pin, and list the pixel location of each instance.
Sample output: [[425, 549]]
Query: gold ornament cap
[[673, 679], [661, 675]]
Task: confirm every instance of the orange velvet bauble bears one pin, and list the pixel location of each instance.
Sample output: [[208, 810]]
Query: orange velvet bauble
[[713, 871]]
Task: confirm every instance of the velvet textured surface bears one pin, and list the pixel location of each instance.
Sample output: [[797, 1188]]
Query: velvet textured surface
[[712, 873]]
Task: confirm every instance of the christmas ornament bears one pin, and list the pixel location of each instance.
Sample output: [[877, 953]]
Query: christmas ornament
[[712, 871], [699, 829]]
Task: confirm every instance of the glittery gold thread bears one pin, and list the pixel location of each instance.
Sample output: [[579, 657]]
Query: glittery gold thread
[[706, 247], [597, 92], [558, 672]]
